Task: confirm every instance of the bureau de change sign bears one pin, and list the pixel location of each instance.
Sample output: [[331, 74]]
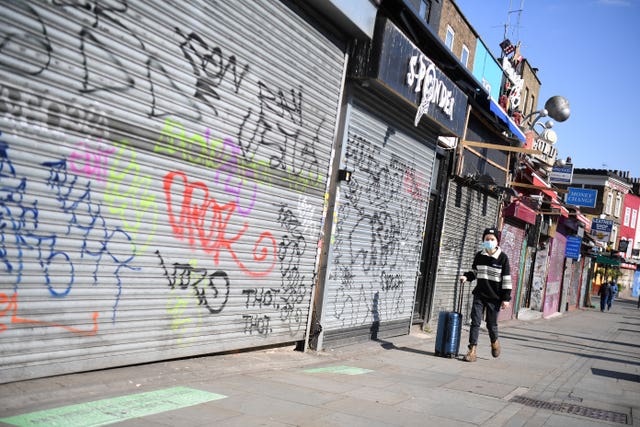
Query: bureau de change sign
[[582, 197]]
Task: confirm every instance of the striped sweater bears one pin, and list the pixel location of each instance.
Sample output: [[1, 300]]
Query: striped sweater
[[493, 274]]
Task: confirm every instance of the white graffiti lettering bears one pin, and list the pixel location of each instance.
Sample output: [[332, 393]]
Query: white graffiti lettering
[[433, 89]]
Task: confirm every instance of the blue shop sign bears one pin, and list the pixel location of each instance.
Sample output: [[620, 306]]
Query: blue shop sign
[[572, 249], [561, 174], [582, 197]]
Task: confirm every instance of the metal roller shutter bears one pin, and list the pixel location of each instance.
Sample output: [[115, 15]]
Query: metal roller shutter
[[574, 289], [163, 167], [468, 213], [512, 243], [552, 294], [540, 269], [378, 233]]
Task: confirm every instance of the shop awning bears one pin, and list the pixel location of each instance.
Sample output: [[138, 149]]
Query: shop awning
[[586, 221], [539, 182], [563, 211], [497, 110], [600, 259], [521, 211], [628, 266]]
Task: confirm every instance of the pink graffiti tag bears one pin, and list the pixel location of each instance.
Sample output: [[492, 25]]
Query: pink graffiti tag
[[89, 162], [11, 306], [415, 184], [201, 219]]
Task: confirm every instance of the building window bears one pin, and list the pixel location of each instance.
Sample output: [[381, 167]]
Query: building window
[[449, 39], [614, 235], [634, 217], [627, 216], [464, 58], [425, 9], [616, 213], [525, 107], [607, 206]]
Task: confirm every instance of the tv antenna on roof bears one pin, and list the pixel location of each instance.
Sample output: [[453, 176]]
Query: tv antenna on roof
[[507, 26]]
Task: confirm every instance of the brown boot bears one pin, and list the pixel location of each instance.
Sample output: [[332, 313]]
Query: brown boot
[[471, 354], [495, 348]]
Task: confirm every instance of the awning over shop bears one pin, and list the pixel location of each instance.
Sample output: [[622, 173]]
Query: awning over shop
[[586, 221], [539, 182], [497, 110], [563, 211], [521, 211], [600, 259]]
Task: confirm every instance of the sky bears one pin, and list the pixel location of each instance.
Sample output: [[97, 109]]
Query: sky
[[587, 51]]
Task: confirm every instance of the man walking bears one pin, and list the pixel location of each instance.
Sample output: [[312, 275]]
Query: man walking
[[604, 292], [492, 292], [612, 295]]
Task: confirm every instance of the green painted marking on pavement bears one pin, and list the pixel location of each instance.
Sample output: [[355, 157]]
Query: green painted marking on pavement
[[346, 370], [108, 411]]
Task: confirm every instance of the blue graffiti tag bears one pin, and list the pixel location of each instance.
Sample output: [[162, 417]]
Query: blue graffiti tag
[[19, 223]]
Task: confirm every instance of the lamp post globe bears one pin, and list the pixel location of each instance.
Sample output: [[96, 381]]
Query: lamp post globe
[[558, 108]]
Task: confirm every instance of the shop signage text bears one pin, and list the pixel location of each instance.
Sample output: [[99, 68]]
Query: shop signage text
[[422, 72], [518, 83], [572, 250], [549, 152], [406, 71], [582, 197], [561, 174], [601, 229]]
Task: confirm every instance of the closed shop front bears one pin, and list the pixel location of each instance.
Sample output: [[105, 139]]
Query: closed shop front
[[584, 300], [472, 205], [552, 294], [162, 177], [513, 243], [388, 165], [574, 288], [378, 233], [539, 278], [468, 213]]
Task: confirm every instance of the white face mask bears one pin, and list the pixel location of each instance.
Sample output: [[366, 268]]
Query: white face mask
[[489, 244]]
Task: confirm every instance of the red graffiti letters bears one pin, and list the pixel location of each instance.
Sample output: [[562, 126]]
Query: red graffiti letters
[[198, 218], [11, 306]]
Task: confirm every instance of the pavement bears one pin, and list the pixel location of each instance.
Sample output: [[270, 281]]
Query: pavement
[[581, 368]]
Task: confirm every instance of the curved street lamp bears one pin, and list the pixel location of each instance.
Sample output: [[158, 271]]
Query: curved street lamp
[[556, 107]]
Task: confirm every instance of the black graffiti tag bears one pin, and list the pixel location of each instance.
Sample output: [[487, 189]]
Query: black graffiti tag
[[185, 276]]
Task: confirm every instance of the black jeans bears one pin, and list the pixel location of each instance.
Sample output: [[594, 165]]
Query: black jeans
[[491, 310]]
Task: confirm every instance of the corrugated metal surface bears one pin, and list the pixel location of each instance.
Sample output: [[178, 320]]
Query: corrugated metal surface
[[576, 279], [378, 234], [540, 269], [512, 243], [584, 299], [554, 276], [467, 214], [526, 278], [162, 176]]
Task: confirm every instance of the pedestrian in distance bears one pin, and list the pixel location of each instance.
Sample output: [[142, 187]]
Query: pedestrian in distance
[[492, 292], [604, 292], [612, 294]]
